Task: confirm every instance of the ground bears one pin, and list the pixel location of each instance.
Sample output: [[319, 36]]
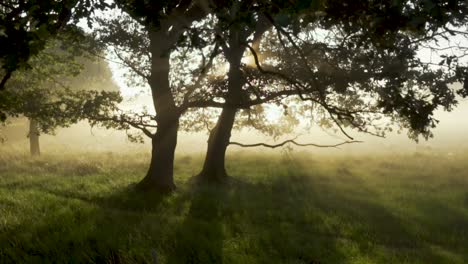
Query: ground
[[275, 208]]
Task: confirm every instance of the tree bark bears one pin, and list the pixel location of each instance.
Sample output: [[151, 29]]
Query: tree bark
[[33, 134], [214, 166], [214, 169], [160, 176]]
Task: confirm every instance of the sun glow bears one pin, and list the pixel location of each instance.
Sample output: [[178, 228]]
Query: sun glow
[[273, 113], [221, 70], [249, 60]]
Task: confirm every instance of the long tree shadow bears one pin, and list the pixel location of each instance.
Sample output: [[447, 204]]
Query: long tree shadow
[[126, 198], [199, 239], [77, 228], [272, 222], [348, 213]]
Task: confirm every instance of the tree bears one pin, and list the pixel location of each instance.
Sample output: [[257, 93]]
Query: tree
[[164, 24], [348, 60], [240, 26], [58, 90]]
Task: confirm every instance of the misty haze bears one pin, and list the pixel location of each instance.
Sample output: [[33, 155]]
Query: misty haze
[[200, 131]]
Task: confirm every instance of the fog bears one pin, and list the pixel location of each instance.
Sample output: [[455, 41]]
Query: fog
[[450, 136]]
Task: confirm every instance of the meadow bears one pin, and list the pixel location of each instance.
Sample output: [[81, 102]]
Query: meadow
[[285, 207]]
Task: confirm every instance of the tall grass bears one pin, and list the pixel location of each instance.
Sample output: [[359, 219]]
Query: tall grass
[[290, 208]]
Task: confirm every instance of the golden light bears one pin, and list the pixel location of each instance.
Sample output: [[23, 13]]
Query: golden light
[[249, 61]]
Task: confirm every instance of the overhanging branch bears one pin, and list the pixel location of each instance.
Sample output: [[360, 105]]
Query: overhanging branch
[[294, 142], [123, 119], [299, 89]]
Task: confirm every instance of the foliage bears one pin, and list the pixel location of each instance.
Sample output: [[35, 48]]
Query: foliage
[[356, 75], [358, 83], [58, 91], [196, 76], [25, 27], [368, 25]]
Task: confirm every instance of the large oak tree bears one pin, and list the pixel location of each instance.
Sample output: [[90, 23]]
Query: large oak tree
[[349, 59]]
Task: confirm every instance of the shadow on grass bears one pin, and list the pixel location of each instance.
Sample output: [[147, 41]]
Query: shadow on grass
[[293, 218], [75, 228], [199, 238], [465, 202]]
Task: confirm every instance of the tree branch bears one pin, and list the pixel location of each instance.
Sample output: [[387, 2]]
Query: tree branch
[[299, 90], [131, 66], [292, 141], [203, 72], [123, 120], [202, 104], [4, 80]]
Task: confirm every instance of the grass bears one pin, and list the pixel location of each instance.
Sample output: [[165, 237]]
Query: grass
[[291, 208]]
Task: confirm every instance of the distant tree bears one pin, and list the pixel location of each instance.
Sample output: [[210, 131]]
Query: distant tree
[[61, 89]]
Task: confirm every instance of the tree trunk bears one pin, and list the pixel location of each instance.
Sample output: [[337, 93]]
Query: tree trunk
[[214, 165], [34, 138], [160, 175]]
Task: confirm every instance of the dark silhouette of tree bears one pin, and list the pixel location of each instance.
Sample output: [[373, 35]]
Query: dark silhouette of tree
[[164, 25], [347, 59]]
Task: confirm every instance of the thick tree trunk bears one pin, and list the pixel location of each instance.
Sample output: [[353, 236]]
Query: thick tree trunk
[[214, 165], [160, 175], [34, 138]]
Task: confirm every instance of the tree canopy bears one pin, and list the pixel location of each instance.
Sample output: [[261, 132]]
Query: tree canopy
[[26, 25]]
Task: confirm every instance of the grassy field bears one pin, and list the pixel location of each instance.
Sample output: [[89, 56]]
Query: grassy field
[[276, 208]]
